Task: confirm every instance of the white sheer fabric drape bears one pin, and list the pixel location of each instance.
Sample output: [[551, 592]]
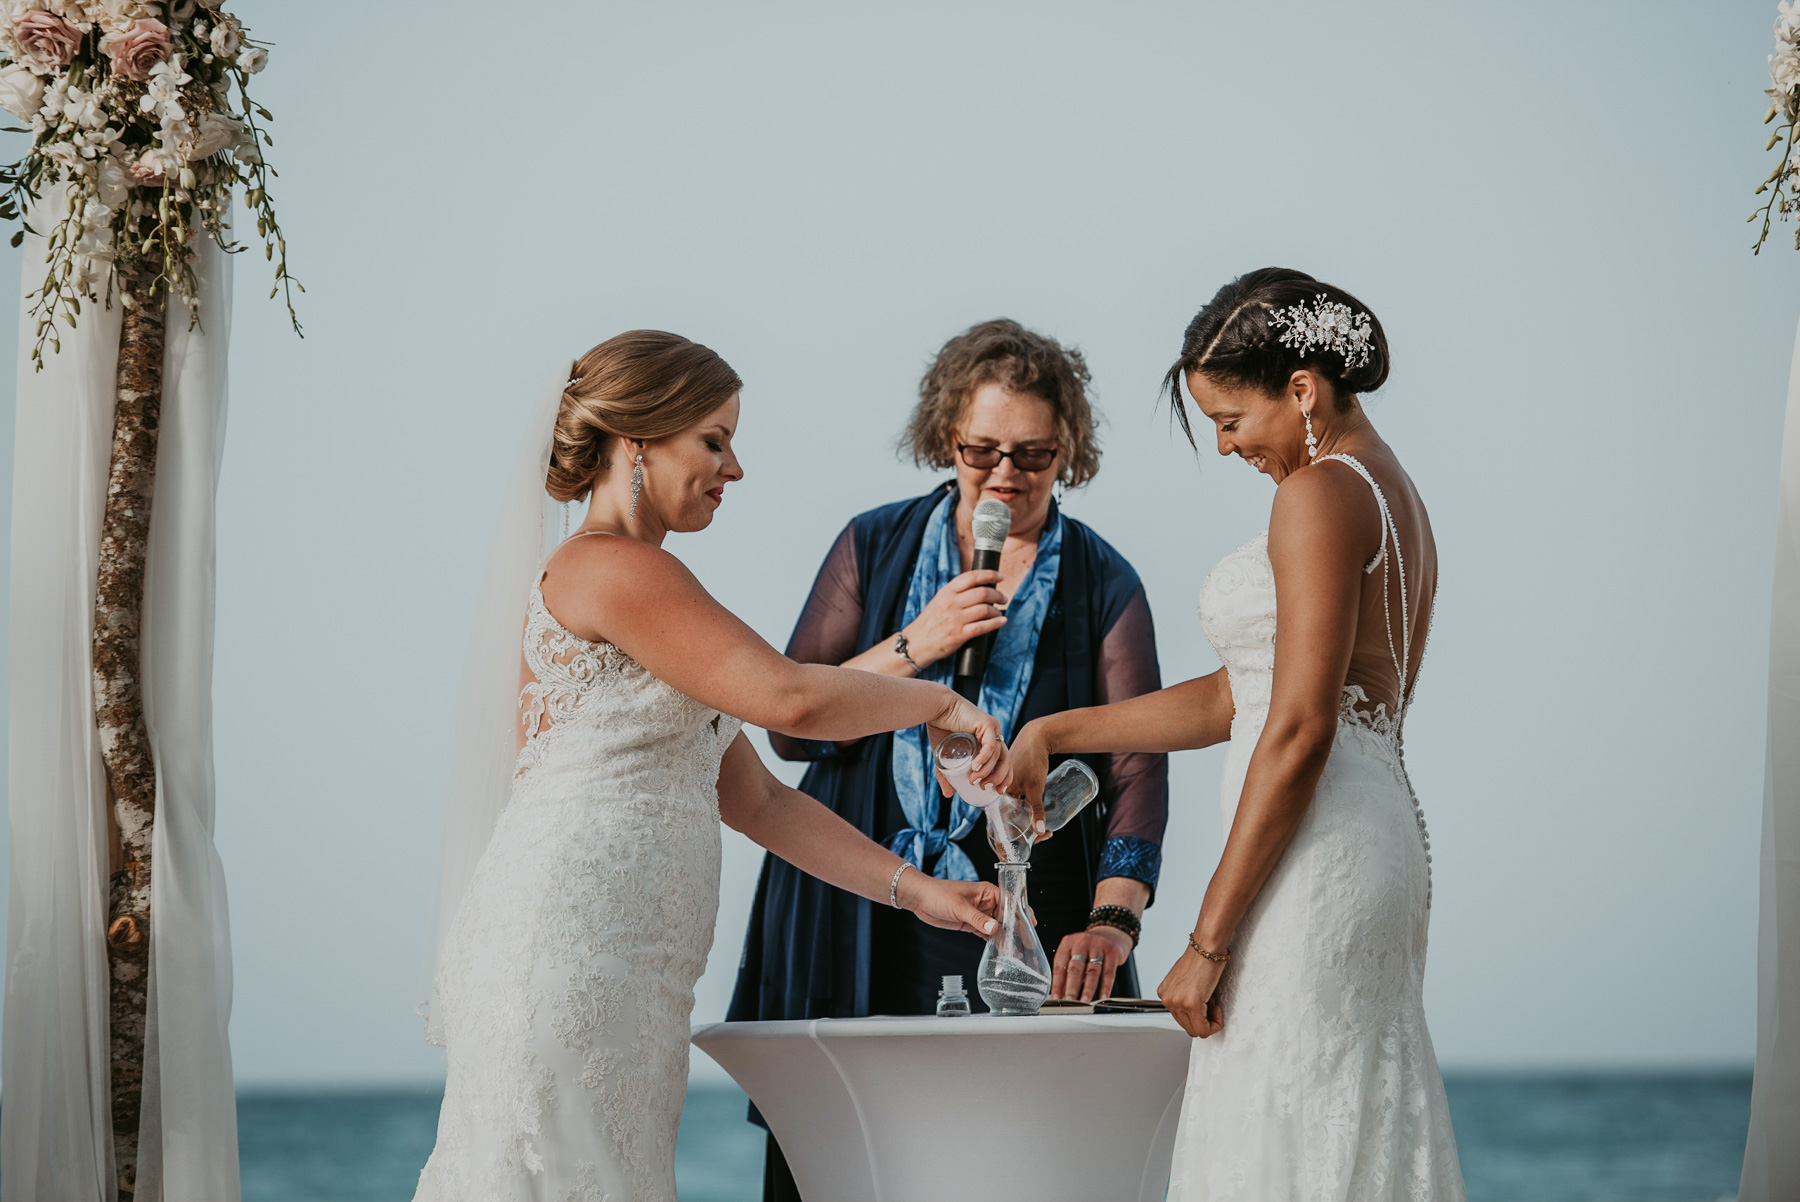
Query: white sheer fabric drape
[[1772, 1153], [55, 1126], [482, 758]]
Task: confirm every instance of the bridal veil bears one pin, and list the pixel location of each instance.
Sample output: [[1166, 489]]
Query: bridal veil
[[483, 755]]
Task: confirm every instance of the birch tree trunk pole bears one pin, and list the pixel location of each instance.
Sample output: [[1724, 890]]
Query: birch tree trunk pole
[[119, 696]]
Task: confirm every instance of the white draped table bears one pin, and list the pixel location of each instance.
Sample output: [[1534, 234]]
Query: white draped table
[[984, 1108]]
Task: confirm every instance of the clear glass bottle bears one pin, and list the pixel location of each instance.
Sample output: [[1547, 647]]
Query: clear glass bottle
[[1014, 977], [953, 1000], [1067, 791]]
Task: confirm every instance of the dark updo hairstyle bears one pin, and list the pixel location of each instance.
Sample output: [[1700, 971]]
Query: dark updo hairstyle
[[1004, 352], [642, 384], [1236, 341]]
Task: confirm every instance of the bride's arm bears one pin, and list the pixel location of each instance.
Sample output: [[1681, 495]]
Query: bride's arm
[[1318, 542], [1194, 713], [817, 841], [645, 602]]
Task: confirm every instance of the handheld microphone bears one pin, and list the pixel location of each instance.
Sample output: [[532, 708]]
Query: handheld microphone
[[991, 524]]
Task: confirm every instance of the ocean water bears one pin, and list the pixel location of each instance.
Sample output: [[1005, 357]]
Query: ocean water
[[1645, 1137]]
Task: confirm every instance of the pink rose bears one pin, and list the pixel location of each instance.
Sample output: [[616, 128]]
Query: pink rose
[[146, 171], [50, 40], [138, 49]]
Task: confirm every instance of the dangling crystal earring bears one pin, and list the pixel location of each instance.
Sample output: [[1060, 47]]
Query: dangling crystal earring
[[565, 521], [1312, 444], [637, 484]]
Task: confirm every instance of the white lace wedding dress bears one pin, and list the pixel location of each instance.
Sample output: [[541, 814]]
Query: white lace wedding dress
[[567, 981], [1323, 1086]]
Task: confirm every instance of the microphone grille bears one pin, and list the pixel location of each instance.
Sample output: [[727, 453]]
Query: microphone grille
[[991, 523]]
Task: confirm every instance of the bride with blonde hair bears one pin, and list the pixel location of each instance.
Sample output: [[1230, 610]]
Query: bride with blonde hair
[[592, 769]]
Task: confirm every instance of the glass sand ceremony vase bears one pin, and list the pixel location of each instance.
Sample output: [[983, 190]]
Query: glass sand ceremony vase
[[1067, 791], [1014, 976]]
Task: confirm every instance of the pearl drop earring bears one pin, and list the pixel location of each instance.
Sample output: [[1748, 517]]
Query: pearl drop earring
[[1312, 444], [637, 484]]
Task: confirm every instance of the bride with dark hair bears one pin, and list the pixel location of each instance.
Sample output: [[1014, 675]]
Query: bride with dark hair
[[1312, 1073], [594, 766]]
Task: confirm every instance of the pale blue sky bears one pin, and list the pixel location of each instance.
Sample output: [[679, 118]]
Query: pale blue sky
[[1544, 203]]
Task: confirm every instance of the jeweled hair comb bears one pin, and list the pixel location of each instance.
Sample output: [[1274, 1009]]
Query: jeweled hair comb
[[1326, 325]]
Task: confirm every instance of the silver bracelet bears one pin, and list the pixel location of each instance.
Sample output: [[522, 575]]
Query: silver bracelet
[[901, 649], [894, 885]]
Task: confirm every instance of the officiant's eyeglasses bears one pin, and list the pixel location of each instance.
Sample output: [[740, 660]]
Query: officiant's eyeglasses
[[1026, 459]]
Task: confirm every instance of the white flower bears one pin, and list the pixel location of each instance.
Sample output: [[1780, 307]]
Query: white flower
[[1784, 69], [65, 156], [212, 133], [83, 109], [1787, 24], [21, 92], [163, 95], [117, 16], [253, 60], [153, 165], [113, 185], [75, 12], [96, 238], [225, 40]]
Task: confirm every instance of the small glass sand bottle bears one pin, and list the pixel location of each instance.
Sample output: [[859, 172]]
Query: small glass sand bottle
[[953, 1002]]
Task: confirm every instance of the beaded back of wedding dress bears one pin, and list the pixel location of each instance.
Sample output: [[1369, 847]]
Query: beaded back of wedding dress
[[1323, 1084], [567, 980]]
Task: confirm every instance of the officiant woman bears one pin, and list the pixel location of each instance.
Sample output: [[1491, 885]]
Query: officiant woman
[[1007, 409]]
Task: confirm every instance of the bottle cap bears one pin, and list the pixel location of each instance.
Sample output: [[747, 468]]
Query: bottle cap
[[956, 751], [953, 985]]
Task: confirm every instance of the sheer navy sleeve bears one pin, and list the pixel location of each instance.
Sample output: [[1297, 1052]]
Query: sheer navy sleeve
[[1140, 782], [826, 633]]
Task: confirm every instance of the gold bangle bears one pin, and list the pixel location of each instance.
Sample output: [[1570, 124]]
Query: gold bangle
[[1216, 957]]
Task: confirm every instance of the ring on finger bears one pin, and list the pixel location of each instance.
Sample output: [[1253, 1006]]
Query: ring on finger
[[1097, 962], [1076, 958]]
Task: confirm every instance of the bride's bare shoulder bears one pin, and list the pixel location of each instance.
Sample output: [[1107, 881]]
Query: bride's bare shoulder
[[596, 581], [1323, 505], [1322, 492]]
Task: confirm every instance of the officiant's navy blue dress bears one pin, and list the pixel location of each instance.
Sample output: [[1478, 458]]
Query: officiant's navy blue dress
[[814, 951]]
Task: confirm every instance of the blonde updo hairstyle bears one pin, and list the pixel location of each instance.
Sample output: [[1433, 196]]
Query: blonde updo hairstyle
[[643, 385]]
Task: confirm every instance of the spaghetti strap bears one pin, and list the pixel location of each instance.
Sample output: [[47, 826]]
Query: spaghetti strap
[[1390, 533], [545, 569]]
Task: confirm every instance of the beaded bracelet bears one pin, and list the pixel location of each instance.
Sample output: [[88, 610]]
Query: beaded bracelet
[[1120, 918]]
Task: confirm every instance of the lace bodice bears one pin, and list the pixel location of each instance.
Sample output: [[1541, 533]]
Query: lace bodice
[[1237, 613], [602, 707]]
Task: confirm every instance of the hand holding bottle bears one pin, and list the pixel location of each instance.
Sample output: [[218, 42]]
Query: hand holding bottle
[[988, 762]]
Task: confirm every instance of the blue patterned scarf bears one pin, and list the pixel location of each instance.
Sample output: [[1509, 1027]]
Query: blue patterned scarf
[[1003, 688]]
